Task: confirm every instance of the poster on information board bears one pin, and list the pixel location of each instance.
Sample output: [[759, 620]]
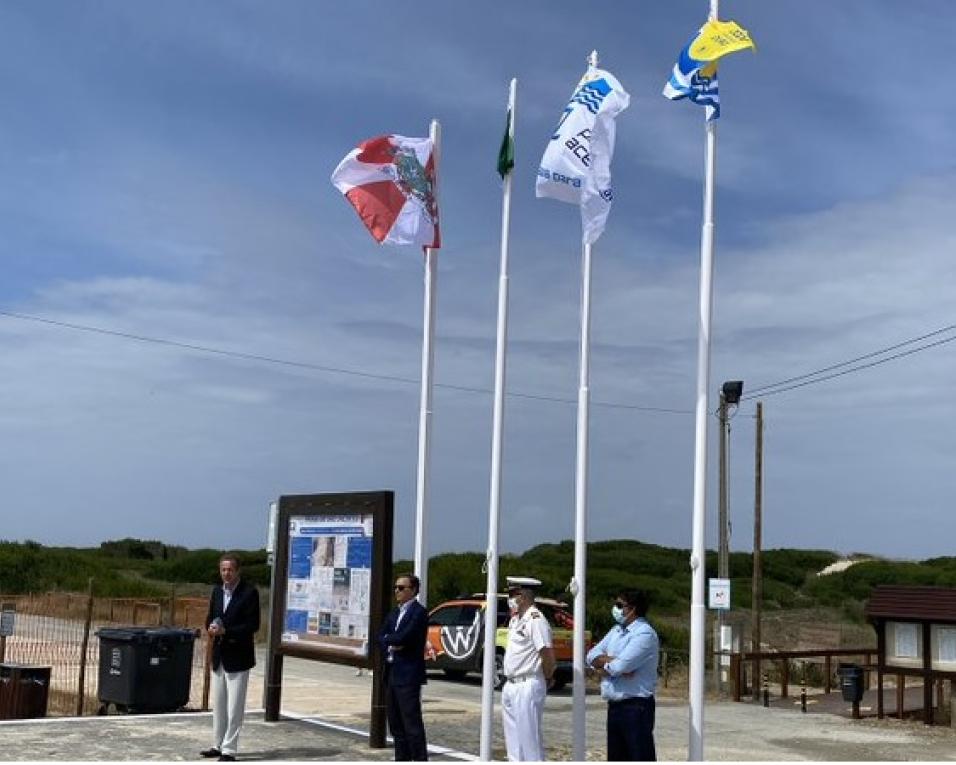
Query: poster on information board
[[333, 570]]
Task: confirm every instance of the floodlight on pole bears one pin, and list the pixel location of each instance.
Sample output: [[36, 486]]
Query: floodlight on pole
[[733, 390]]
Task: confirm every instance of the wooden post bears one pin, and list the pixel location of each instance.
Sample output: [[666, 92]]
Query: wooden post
[[3, 644], [766, 689], [757, 591], [927, 675], [81, 684], [376, 733], [172, 605], [206, 669], [827, 668], [735, 675], [952, 704], [784, 678], [803, 690], [880, 656], [900, 694], [741, 676], [715, 637], [664, 667]]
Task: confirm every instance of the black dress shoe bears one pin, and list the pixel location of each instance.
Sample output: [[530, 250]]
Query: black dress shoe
[[213, 752], [226, 758]]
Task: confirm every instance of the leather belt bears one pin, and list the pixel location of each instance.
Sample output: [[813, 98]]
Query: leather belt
[[522, 677]]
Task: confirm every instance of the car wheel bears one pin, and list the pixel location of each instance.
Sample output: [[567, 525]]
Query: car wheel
[[559, 682], [455, 674], [499, 670]]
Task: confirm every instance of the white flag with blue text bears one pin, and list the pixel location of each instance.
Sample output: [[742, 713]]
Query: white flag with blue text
[[576, 166]]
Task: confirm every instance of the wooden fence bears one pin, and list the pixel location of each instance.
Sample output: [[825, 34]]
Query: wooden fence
[[58, 630]]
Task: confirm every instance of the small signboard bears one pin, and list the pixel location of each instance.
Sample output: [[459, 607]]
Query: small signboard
[[8, 617], [719, 594], [271, 533]]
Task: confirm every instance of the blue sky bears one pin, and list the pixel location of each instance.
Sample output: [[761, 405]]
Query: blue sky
[[165, 173]]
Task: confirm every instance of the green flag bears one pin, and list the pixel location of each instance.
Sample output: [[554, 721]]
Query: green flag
[[506, 155]]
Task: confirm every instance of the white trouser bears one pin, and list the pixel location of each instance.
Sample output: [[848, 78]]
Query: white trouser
[[521, 706], [228, 707]]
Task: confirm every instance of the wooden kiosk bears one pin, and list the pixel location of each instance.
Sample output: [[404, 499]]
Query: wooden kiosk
[[916, 637]]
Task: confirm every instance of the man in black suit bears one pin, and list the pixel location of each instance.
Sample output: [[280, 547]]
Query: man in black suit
[[403, 639], [232, 623]]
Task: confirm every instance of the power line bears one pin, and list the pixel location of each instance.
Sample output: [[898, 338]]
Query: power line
[[830, 368], [319, 367], [895, 356], [762, 391]]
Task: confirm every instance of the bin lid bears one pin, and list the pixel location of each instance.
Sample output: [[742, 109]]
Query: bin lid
[[22, 666], [147, 634]]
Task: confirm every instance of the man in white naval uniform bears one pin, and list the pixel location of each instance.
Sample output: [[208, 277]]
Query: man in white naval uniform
[[529, 669]]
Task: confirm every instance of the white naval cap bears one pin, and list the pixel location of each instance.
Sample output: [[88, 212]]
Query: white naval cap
[[523, 582]]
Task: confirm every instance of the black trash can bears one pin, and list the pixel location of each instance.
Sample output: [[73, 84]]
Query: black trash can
[[145, 669], [851, 682]]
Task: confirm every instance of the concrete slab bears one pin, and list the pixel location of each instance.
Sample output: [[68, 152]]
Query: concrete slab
[[180, 737], [337, 698]]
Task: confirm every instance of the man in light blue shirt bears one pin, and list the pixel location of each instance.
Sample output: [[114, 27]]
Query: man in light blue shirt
[[626, 659]]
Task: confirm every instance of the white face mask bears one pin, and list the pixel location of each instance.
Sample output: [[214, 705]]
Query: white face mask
[[617, 613], [513, 604]]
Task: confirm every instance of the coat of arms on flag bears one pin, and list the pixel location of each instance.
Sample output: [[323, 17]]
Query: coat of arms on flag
[[390, 181]]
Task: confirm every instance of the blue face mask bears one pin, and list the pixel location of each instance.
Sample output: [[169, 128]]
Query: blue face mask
[[617, 613]]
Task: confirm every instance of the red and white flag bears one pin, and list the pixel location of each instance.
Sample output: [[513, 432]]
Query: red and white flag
[[390, 181]]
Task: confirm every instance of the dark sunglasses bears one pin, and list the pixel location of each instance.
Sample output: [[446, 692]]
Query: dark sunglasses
[[400, 587], [619, 604]]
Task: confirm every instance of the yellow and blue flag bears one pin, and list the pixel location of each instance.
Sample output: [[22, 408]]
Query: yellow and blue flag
[[694, 76]]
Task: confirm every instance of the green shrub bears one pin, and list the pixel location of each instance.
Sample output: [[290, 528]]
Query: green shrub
[[202, 567]]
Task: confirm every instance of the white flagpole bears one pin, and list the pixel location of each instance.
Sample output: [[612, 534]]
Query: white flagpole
[[698, 613], [581, 499], [425, 410], [491, 560]]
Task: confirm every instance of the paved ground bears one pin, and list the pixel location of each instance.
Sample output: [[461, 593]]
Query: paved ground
[[833, 703], [332, 700]]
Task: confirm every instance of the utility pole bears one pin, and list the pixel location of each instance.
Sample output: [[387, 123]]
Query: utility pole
[[723, 562], [757, 598], [730, 393]]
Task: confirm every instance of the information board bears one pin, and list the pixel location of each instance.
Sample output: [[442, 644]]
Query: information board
[[332, 574], [907, 645], [329, 580], [904, 644], [944, 647], [331, 589]]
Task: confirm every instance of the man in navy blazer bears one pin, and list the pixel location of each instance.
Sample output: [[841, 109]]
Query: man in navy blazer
[[232, 623], [402, 639]]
